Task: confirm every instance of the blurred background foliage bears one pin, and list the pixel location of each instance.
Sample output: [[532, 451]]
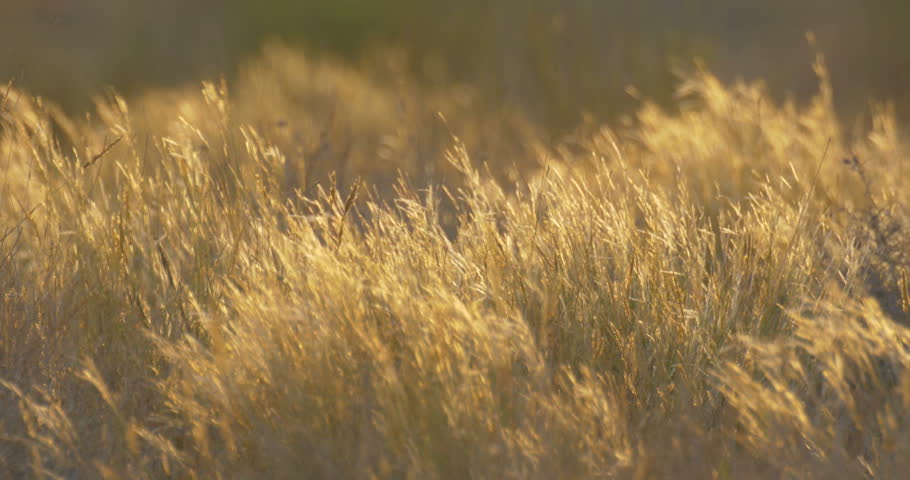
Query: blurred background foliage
[[553, 59]]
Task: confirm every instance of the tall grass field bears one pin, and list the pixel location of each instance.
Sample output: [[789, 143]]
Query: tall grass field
[[316, 271]]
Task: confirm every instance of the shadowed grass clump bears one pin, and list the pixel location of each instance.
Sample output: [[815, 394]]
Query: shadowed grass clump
[[718, 292]]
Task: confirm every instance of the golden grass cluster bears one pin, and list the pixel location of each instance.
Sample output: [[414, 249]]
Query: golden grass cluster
[[187, 291]]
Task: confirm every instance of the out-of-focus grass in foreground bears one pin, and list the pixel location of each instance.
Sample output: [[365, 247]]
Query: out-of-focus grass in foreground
[[188, 291]]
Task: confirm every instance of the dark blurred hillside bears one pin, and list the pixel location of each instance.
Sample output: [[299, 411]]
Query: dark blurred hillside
[[553, 58]]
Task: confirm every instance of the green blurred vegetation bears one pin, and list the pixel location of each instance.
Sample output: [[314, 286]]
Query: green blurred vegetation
[[554, 59]]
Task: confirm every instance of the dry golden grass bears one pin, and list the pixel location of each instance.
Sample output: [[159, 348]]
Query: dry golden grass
[[188, 292]]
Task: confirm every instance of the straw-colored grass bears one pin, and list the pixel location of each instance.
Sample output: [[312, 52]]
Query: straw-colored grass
[[186, 291]]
